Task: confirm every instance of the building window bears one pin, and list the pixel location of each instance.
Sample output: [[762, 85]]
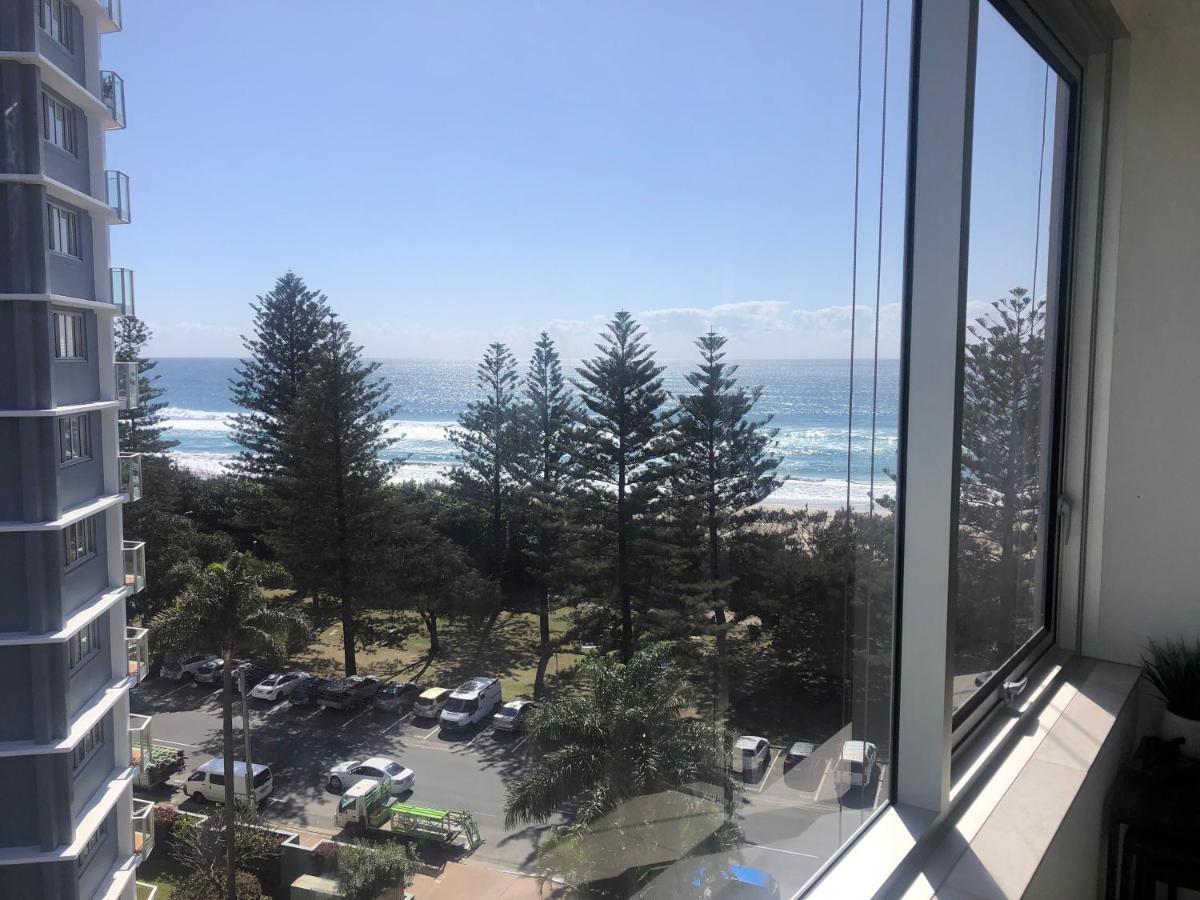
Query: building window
[[83, 644], [58, 124], [64, 231], [74, 439], [89, 849], [56, 19], [79, 541], [89, 744], [70, 338]]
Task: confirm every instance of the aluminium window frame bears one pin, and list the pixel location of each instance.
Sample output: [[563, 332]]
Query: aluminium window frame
[[58, 217], [74, 439], [66, 137], [84, 534], [66, 22], [70, 341]]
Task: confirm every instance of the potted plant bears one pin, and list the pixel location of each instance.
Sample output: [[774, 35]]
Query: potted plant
[[1173, 667]]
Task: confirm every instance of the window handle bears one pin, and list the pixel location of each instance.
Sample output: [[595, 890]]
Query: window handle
[[1011, 691], [1064, 518]]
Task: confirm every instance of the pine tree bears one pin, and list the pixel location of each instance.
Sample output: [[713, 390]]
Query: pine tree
[[1000, 496], [330, 481], [290, 324], [543, 467], [486, 439], [141, 429], [624, 445], [722, 468]]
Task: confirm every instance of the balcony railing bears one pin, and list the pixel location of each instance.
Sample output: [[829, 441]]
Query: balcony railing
[[113, 9], [139, 740], [128, 392], [112, 93], [146, 891], [117, 184], [120, 283], [137, 645], [143, 827], [135, 565], [130, 470]]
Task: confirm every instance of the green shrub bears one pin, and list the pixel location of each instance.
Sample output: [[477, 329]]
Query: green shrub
[[203, 887], [1173, 667], [364, 870]]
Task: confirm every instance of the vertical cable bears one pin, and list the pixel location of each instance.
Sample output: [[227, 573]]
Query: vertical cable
[[1037, 230], [887, 19]]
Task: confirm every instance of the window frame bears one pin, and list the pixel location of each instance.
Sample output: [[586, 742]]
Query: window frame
[[70, 341], [69, 130], [90, 743], [65, 36], [91, 845], [83, 534], [63, 224], [74, 439], [83, 645]]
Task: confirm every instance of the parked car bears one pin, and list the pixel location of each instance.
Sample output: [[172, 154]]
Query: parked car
[[397, 697], [513, 715], [352, 692], [255, 672], [856, 765], [798, 753], [431, 701], [751, 755], [209, 672], [277, 685], [185, 667], [472, 702], [305, 692], [376, 769], [727, 880], [207, 783]]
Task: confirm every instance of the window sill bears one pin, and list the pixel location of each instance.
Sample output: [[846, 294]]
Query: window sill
[[1005, 835]]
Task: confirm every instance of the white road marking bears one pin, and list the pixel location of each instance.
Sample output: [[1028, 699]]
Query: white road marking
[[174, 744], [314, 712], [762, 784], [357, 716], [432, 731], [174, 690], [781, 850], [399, 721], [517, 745]]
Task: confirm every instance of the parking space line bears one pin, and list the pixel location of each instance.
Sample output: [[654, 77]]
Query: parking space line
[[432, 731], [174, 690], [358, 715], [399, 721], [762, 784], [781, 850], [175, 744], [314, 712]]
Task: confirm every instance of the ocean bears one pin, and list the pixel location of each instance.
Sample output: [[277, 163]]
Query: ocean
[[808, 399]]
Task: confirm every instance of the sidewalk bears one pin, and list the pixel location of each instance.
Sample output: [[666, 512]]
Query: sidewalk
[[460, 880]]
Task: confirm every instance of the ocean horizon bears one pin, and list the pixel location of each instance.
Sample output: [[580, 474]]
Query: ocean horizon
[[807, 399]]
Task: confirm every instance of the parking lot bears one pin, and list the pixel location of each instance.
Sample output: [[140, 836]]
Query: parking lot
[[791, 821]]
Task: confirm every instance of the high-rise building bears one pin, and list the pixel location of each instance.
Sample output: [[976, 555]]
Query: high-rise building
[[69, 750]]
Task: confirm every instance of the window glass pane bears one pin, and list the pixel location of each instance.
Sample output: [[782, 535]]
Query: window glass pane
[[1017, 178]]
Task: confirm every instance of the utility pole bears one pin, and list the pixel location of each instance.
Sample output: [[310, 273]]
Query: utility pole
[[246, 735]]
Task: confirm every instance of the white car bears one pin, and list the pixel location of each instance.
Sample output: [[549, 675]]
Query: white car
[[751, 755], [514, 715], [856, 765], [185, 668], [375, 769], [279, 684]]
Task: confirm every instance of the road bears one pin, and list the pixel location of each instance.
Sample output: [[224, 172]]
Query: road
[[788, 833]]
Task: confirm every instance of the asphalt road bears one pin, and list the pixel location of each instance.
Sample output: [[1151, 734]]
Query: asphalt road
[[787, 833]]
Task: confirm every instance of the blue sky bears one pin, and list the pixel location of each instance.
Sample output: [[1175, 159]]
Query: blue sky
[[451, 173]]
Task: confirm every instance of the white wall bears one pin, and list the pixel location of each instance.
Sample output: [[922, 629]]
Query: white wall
[[1150, 567]]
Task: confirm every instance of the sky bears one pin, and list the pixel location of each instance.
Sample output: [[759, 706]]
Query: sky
[[452, 172]]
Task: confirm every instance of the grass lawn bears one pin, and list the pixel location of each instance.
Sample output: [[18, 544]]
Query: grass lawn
[[162, 870], [399, 649]]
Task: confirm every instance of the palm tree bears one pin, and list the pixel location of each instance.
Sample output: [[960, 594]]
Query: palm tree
[[223, 606], [629, 734]]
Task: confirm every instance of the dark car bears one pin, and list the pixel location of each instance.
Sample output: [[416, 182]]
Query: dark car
[[798, 753], [397, 697], [255, 673], [305, 692], [351, 692]]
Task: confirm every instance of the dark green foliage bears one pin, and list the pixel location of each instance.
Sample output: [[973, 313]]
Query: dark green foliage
[[543, 471], [486, 439], [1173, 667], [291, 323], [366, 869], [328, 487], [199, 887], [721, 469], [625, 444], [1000, 497], [141, 428]]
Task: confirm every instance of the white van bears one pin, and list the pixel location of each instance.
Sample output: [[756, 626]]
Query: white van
[[207, 783], [473, 701]]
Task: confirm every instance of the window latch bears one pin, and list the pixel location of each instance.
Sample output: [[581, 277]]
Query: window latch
[[1064, 519], [1011, 691]]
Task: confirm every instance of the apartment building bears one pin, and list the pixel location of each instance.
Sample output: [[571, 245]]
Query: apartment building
[[71, 828]]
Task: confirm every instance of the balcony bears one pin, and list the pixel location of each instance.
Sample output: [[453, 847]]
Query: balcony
[[112, 94], [130, 470], [140, 745], [117, 185], [137, 645], [112, 9], [134, 553], [146, 891], [128, 393], [120, 284], [143, 827]]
